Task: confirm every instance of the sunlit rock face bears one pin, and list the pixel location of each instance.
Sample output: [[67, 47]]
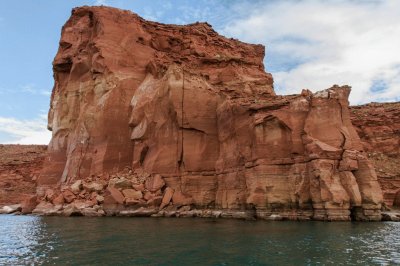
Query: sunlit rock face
[[199, 110]]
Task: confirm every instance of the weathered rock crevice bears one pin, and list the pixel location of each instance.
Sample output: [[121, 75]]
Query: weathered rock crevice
[[195, 113]]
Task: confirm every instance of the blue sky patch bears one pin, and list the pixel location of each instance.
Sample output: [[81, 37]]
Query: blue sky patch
[[378, 85]]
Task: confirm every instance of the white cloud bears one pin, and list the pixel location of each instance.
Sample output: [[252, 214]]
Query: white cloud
[[190, 14], [28, 88], [45, 92], [100, 3], [218, 13], [151, 14], [315, 44], [31, 88], [25, 131]]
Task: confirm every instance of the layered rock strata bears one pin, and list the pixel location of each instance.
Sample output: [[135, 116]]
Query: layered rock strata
[[20, 166], [154, 119], [378, 125]]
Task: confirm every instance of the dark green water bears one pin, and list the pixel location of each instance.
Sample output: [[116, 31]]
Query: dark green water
[[27, 240]]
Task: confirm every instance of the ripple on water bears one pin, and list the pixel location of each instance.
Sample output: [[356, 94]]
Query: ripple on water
[[148, 241], [23, 240]]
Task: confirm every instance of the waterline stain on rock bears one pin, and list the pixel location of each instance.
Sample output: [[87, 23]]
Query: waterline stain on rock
[[167, 120]]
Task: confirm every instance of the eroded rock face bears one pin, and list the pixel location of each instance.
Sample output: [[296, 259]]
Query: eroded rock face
[[378, 125], [105, 54], [194, 115], [20, 166]]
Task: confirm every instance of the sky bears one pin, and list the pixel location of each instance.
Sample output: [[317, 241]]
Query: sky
[[309, 44]]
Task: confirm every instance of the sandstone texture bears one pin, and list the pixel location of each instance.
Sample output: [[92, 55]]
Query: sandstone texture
[[378, 125], [20, 166], [158, 120]]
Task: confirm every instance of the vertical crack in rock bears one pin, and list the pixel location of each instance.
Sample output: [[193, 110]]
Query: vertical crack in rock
[[181, 164], [196, 110]]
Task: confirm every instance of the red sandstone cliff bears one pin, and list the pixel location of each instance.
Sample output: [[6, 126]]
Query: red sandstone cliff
[[105, 55], [378, 125], [153, 119], [20, 166]]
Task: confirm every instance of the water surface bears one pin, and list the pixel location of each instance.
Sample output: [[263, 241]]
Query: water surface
[[185, 241]]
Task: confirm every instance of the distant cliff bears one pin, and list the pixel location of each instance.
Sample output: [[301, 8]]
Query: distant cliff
[[378, 125], [20, 166]]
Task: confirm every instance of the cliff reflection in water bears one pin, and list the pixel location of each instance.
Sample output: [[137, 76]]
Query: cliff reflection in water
[[148, 241]]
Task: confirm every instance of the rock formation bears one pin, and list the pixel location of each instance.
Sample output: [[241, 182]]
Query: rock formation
[[154, 119], [378, 125], [20, 166]]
